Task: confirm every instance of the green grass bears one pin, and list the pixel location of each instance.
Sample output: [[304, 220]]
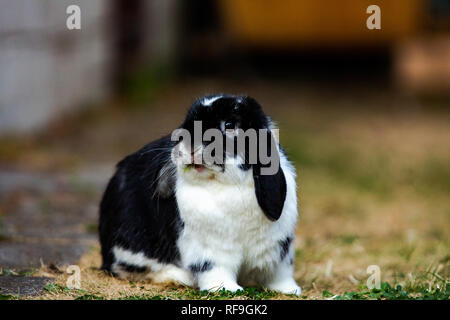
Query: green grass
[[89, 297], [8, 297], [57, 289], [145, 297], [388, 292], [249, 293], [17, 273]]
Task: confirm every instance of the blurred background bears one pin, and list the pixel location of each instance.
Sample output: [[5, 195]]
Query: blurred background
[[364, 115]]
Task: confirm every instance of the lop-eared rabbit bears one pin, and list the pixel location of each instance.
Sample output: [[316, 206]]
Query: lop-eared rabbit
[[214, 226]]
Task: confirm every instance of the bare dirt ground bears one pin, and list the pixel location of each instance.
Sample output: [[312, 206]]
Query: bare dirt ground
[[373, 176]]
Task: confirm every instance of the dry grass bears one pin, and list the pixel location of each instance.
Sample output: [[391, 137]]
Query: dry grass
[[374, 184]]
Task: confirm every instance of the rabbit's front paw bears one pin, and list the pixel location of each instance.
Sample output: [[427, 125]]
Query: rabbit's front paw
[[228, 286], [286, 287]]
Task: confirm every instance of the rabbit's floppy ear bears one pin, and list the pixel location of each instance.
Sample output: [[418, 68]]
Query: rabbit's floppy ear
[[270, 189]]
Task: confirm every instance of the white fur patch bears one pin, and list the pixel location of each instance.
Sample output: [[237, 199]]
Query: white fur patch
[[209, 101]]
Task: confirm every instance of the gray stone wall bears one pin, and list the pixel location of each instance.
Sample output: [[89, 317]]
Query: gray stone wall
[[47, 70]]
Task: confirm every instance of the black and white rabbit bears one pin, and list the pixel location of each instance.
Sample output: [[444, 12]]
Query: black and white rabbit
[[210, 226]]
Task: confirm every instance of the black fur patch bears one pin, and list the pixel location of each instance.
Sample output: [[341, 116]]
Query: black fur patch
[[201, 266], [133, 215], [245, 167], [132, 268], [284, 247]]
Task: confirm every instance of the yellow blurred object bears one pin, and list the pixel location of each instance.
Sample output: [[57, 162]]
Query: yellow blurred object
[[423, 64], [274, 23]]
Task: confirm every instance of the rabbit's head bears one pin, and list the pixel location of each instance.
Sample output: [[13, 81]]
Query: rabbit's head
[[228, 138]]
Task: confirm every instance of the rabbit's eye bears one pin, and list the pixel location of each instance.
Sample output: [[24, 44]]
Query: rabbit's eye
[[229, 124]]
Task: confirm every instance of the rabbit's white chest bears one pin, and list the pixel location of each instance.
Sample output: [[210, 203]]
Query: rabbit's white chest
[[223, 222]]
